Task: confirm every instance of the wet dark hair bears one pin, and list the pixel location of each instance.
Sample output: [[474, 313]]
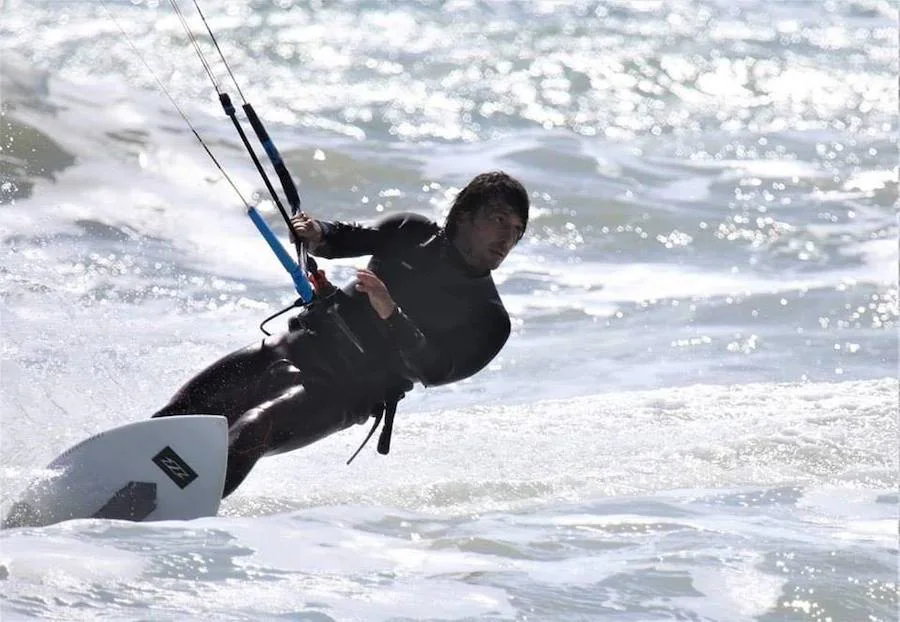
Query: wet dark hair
[[495, 187]]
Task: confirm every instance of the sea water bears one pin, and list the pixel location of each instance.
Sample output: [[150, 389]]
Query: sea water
[[695, 417]]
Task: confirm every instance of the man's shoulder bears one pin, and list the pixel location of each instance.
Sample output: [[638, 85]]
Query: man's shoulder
[[409, 223]]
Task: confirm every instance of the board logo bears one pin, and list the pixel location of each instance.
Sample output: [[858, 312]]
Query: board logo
[[176, 468]]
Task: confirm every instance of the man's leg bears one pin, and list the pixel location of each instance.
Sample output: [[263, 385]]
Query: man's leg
[[294, 419], [230, 386], [268, 402]]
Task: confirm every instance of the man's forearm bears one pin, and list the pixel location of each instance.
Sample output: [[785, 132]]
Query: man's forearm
[[422, 360], [341, 239]]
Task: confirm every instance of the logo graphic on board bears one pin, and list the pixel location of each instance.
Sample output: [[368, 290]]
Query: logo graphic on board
[[176, 468]]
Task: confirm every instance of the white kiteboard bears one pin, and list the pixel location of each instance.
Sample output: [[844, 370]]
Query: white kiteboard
[[170, 468]]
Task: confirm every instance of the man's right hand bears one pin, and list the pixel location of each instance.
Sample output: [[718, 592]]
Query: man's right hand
[[307, 230]]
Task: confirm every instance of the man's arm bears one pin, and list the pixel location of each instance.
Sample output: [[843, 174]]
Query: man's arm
[[341, 239], [332, 240], [445, 357], [452, 355]]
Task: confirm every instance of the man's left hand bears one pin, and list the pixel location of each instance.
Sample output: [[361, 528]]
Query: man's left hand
[[377, 292]]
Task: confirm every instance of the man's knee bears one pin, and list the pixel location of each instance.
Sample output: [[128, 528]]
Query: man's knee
[[169, 410]]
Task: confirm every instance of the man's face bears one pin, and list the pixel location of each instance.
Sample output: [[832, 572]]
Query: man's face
[[485, 236]]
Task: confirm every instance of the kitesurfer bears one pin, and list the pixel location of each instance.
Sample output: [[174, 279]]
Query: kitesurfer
[[424, 310]]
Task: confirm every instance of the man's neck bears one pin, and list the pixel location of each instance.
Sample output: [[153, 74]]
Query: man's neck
[[457, 258]]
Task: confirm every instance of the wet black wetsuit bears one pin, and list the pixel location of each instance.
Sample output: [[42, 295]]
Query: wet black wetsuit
[[340, 360]]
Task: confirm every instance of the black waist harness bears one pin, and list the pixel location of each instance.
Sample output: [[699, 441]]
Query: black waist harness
[[323, 317]]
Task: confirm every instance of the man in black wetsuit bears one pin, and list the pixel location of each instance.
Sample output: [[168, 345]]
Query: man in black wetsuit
[[425, 310]]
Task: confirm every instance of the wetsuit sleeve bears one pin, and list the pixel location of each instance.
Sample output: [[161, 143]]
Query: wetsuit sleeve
[[452, 355], [342, 239]]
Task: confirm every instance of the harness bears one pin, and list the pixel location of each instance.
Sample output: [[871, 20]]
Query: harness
[[323, 316]]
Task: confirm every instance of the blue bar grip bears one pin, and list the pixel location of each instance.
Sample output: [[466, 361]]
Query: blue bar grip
[[301, 284]]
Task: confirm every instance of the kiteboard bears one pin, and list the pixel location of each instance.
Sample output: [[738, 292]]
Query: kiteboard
[[169, 468]]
